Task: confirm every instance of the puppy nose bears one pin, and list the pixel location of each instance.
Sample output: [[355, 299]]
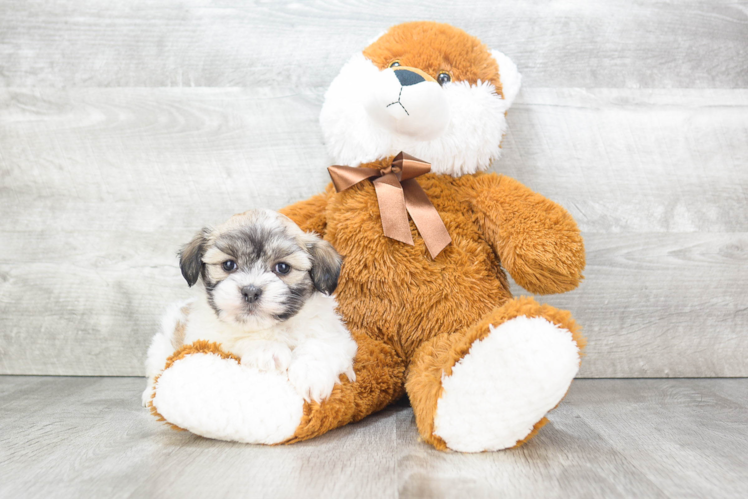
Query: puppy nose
[[251, 293], [407, 77]]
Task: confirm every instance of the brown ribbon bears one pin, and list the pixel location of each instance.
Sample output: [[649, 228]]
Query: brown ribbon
[[398, 195]]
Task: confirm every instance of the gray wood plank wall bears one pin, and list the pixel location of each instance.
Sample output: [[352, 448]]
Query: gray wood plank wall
[[124, 127]]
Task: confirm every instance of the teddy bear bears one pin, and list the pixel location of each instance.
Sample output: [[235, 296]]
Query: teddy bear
[[431, 308]]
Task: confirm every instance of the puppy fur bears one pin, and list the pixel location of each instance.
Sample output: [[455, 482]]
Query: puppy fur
[[265, 295]]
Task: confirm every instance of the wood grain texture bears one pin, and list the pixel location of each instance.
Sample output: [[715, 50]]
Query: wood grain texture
[[638, 161], [663, 304], [572, 43], [85, 437], [100, 187], [608, 439], [89, 437]]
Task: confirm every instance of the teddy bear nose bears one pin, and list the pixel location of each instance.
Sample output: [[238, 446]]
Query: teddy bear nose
[[407, 77]]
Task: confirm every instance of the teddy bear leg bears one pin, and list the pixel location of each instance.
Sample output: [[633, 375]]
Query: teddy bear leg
[[490, 386], [207, 392], [380, 380]]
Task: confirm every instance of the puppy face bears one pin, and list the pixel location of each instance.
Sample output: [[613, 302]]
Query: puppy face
[[425, 88], [259, 268]]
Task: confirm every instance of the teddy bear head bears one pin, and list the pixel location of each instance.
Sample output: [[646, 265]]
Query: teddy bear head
[[425, 88]]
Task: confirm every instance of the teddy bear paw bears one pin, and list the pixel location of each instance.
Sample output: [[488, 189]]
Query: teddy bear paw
[[505, 384], [221, 399]]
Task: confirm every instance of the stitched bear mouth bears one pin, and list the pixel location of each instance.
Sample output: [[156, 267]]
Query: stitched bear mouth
[[399, 95], [416, 109]]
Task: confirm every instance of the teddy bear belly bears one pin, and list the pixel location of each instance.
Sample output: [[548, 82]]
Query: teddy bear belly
[[396, 293]]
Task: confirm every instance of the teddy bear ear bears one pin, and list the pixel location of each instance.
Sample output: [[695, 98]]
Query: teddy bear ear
[[510, 77], [372, 40]]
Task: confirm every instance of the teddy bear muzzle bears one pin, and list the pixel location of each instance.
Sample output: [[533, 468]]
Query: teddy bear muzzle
[[409, 102]]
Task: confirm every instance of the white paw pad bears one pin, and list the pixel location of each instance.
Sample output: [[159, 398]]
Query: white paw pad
[[220, 399], [505, 384]]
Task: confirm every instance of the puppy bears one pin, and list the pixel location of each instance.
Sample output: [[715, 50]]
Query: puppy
[[265, 296]]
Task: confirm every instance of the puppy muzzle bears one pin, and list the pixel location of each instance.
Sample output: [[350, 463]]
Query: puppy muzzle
[[408, 101]]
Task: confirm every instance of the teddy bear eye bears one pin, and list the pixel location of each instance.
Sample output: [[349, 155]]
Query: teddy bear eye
[[229, 266], [394, 64], [443, 78]]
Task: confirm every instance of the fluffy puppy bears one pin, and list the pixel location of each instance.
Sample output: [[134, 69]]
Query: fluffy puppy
[[266, 297]]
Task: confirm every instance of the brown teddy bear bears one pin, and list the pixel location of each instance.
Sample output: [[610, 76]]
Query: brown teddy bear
[[430, 309]]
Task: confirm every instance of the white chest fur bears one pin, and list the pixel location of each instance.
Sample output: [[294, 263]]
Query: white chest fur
[[317, 319], [313, 348]]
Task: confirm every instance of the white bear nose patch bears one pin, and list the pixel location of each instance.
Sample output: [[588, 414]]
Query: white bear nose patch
[[417, 109]]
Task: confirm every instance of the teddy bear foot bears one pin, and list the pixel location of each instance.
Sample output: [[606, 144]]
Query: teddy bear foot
[[490, 386], [506, 384], [218, 398]]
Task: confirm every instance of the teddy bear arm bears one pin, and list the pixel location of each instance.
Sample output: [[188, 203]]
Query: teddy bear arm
[[536, 239], [310, 214]]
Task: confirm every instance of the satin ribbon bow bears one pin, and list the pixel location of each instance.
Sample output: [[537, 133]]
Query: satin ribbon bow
[[398, 195]]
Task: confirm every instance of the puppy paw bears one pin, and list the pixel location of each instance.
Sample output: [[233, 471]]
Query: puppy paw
[[146, 397], [150, 388], [267, 357], [350, 373], [312, 378]]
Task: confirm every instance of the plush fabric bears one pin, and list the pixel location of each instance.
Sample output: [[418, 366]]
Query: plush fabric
[[480, 367], [400, 296], [436, 47]]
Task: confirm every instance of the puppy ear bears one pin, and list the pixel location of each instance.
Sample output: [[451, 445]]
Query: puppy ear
[[191, 256], [326, 264]]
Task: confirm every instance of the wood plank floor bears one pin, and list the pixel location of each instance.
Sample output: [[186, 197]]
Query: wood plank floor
[[89, 437]]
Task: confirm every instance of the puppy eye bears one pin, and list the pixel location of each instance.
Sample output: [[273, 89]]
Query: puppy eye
[[282, 268], [394, 64], [229, 266], [443, 78]]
